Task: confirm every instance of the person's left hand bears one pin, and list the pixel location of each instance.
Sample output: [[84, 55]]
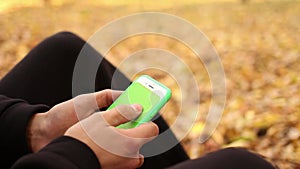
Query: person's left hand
[[44, 127]]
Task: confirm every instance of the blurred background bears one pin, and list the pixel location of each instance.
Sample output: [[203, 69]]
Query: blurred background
[[257, 40]]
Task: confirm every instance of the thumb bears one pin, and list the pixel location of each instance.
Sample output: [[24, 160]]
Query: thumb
[[122, 114]]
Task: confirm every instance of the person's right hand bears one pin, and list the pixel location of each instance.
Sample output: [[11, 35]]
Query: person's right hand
[[114, 147]]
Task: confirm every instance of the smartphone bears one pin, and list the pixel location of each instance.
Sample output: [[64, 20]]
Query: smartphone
[[149, 93]]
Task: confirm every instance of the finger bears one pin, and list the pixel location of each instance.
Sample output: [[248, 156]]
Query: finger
[[86, 104], [146, 131], [141, 161], [106, 97], [133, 162], [122, 114]]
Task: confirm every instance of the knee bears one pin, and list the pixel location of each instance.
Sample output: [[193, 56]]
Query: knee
[[235, 153], [65, 38], [66, 43], [240, 157], [231, 158], [65, 34], [61, 47]]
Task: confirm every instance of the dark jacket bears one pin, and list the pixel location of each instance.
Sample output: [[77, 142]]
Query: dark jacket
[[63, 152]]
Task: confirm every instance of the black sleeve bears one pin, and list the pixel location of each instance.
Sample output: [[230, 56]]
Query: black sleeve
[[14, 117], [62, 153]]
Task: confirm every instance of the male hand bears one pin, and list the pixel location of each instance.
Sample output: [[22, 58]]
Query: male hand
[[44, 127], [115, 148]]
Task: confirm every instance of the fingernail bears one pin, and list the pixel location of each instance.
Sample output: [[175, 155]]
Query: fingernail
[[137, 108]]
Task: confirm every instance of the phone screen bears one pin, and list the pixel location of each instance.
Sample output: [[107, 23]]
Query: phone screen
[[136, 93]]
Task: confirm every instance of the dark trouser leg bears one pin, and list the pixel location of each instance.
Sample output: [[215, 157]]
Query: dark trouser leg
[[230, 158], [45, 76]]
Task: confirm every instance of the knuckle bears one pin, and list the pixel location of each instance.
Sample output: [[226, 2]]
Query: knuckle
[[135, 163], [82, 96], [155, 129], [152, 129], [83, 99], [104, 97], [116, 117], [131, 163], [106, 91], [126, 112]]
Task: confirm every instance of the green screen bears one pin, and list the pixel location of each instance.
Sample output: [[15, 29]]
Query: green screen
[[138, 94]]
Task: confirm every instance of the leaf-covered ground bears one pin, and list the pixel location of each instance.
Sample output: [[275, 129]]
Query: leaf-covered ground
[[258, 42]]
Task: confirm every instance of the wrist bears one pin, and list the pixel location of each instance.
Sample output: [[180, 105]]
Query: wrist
[[36, 132], [79, 134]]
